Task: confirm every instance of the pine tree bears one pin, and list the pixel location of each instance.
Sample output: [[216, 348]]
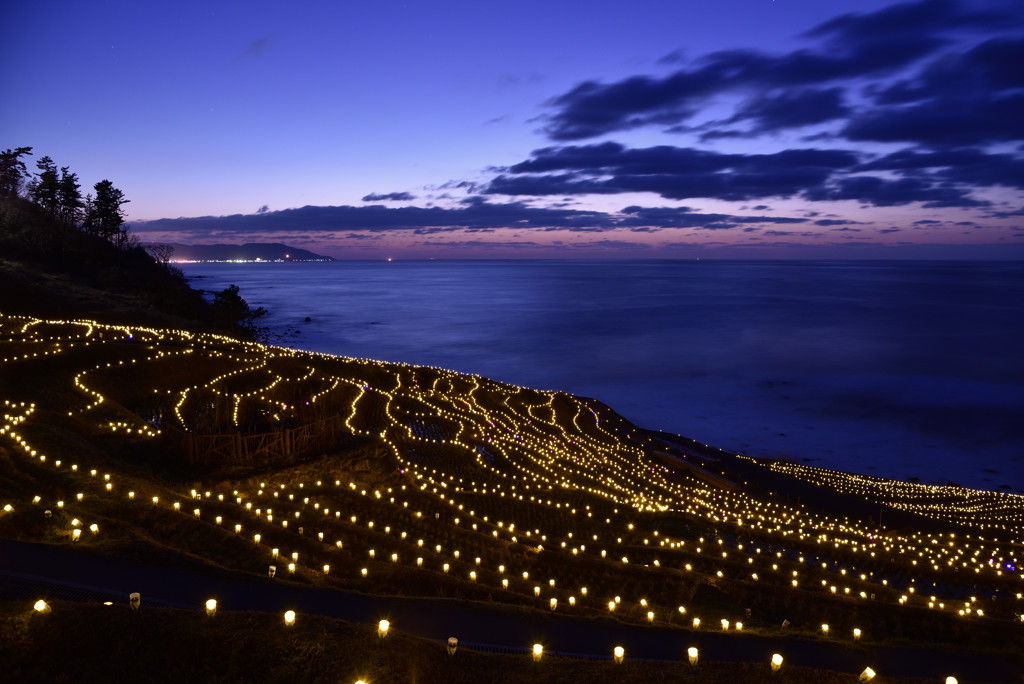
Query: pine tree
[[69, 197], [106, 218], [45, 189], [13, 171]]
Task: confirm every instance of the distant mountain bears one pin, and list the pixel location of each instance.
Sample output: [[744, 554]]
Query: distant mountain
[[250, 251]]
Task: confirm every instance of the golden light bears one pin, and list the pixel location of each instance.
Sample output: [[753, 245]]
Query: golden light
[[382, 628], [867, 675], [289, 617], [951, 680], [824, 629], [41, 607], [725, 624], [554, 603], [538, 651], [620, 653], [696, 622], [856, 633], [650, 616], [75, 534], [94, 528], [776, 662], [691, 653], [211, 607]]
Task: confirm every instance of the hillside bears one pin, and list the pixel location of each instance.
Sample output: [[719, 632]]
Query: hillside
[[250, 251], [57, 271], [202, 451]]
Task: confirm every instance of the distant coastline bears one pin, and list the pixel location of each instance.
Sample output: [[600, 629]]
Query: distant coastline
[[250, 252]]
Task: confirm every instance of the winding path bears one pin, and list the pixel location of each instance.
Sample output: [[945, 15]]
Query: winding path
[[29, 570]]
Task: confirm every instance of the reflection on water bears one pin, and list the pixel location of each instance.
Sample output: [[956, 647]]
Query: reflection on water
[[902, 368]]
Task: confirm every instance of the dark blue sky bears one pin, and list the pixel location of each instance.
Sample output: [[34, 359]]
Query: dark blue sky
[[660, 128]]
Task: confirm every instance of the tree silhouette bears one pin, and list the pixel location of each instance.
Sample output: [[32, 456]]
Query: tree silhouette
[[45, 188], [105, 217], [232, 310], [13, 171], [69, 197], [160, 252]]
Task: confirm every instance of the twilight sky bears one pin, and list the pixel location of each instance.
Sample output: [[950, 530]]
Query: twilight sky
[[653, 129]]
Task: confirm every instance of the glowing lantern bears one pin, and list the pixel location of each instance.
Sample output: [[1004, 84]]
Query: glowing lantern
[[691, 653], [271, 571], [856, 633], [211, 607], [538, 651], [134, 599], [776, 662], [382, 628], [289, 618], [41, 607], [453, 643], [620, 653], [867, 675]]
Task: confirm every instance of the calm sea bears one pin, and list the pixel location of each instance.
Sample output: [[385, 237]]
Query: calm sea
[[902, 369]]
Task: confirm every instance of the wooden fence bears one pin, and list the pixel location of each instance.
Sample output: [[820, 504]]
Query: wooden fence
[[236, 448]]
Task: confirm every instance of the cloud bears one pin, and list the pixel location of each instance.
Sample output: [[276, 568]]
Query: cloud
[[777, 111], [474, 215], [255, 49], [389, 197], [851, 53], [883, 192], [850, 47], [833, 222], [671, 172]]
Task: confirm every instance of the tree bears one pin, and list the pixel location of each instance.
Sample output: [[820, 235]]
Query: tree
[[232, 310], [45, 189], [161, 253], [106, 218], [69, 197], [13, 171]]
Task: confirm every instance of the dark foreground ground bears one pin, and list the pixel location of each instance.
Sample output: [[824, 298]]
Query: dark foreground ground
[[334, 639]]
